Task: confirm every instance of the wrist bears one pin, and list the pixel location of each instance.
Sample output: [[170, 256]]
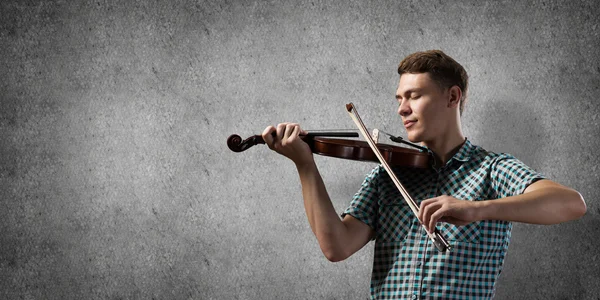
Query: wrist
[[485, 210], [306, 165]]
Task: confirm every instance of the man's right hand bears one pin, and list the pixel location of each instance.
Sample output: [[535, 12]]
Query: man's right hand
[[288, 143]]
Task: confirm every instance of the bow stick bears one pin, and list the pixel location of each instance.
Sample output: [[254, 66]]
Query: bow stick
[[438, 240]]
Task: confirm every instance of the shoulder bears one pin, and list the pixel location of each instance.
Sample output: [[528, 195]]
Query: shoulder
[[376, 173], [497, 162], [482, 155], [504, 164]]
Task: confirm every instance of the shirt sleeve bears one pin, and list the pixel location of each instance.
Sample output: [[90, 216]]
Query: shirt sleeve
[[511, 177], [364, 204]]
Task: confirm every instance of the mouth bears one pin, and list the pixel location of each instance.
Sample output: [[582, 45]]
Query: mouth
[[409, 123]]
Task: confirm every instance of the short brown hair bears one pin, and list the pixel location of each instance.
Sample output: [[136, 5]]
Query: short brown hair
[[442, 68]]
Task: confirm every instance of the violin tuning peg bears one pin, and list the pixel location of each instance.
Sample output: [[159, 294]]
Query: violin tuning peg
[[375, 135]]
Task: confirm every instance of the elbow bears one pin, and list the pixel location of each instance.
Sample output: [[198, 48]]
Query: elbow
[[333, 255], [335, 258], [333, 249], [579, 207], [574, 208]]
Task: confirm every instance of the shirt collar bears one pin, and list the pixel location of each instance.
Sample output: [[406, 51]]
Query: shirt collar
[[463, 154]]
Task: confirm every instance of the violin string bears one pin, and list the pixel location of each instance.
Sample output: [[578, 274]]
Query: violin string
[[325, 130], [350, 130]]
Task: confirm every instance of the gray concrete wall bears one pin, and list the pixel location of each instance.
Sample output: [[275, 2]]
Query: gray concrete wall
[[116, 182]]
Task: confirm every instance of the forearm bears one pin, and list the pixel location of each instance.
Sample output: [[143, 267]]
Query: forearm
[[324, 220], [548, 205]]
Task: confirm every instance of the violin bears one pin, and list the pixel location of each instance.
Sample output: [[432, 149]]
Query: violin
[[320, 143], [385, 154]]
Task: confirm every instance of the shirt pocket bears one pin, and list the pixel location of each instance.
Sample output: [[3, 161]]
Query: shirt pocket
[[394, 222], [470, 233]]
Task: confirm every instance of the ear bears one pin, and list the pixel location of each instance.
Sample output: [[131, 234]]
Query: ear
[[454, 96]]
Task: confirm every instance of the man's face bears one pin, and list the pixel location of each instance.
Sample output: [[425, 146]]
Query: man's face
[[422, 106]]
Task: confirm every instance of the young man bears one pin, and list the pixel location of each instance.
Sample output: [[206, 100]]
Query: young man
[[470, 194]]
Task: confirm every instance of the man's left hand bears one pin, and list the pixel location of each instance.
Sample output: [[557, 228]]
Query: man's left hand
[[447, 209]]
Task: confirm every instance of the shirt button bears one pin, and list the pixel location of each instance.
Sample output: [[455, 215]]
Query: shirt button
[[414, 296], [419, 263]]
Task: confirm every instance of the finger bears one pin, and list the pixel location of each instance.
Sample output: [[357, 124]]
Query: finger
[[434, 218], [267, 136], [289, 128], [280, 131], [428, 211], [424, 207], [294, 133]]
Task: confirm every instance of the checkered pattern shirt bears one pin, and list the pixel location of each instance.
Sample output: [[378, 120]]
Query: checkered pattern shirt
[[406, 264]]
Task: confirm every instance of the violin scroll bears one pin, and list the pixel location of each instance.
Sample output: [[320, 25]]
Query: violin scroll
[[235, 143]]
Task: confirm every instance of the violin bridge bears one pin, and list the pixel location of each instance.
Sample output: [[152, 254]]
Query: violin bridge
[[375, 135]]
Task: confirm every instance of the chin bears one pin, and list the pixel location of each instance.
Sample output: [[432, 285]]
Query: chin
[[414, 138]]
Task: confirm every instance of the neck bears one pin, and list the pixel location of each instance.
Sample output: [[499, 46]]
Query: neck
[[445, 147]]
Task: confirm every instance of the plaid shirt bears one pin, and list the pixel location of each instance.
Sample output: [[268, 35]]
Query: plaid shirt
[[406, 264]]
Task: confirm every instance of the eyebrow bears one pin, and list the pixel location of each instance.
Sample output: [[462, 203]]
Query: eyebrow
[[414, 90]]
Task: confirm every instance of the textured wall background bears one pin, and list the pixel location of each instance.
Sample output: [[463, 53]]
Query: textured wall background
[[116, 182]]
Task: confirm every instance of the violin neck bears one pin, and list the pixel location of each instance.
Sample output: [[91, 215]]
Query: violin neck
[[332, 134]]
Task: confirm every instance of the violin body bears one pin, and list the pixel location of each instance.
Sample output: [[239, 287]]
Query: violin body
[[359, 150], [346, 149]]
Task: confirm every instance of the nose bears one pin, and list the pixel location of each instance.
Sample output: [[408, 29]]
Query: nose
[[403, 108]]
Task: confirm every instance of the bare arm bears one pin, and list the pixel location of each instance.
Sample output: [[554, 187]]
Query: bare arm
[[543, 202], [337, 238]]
